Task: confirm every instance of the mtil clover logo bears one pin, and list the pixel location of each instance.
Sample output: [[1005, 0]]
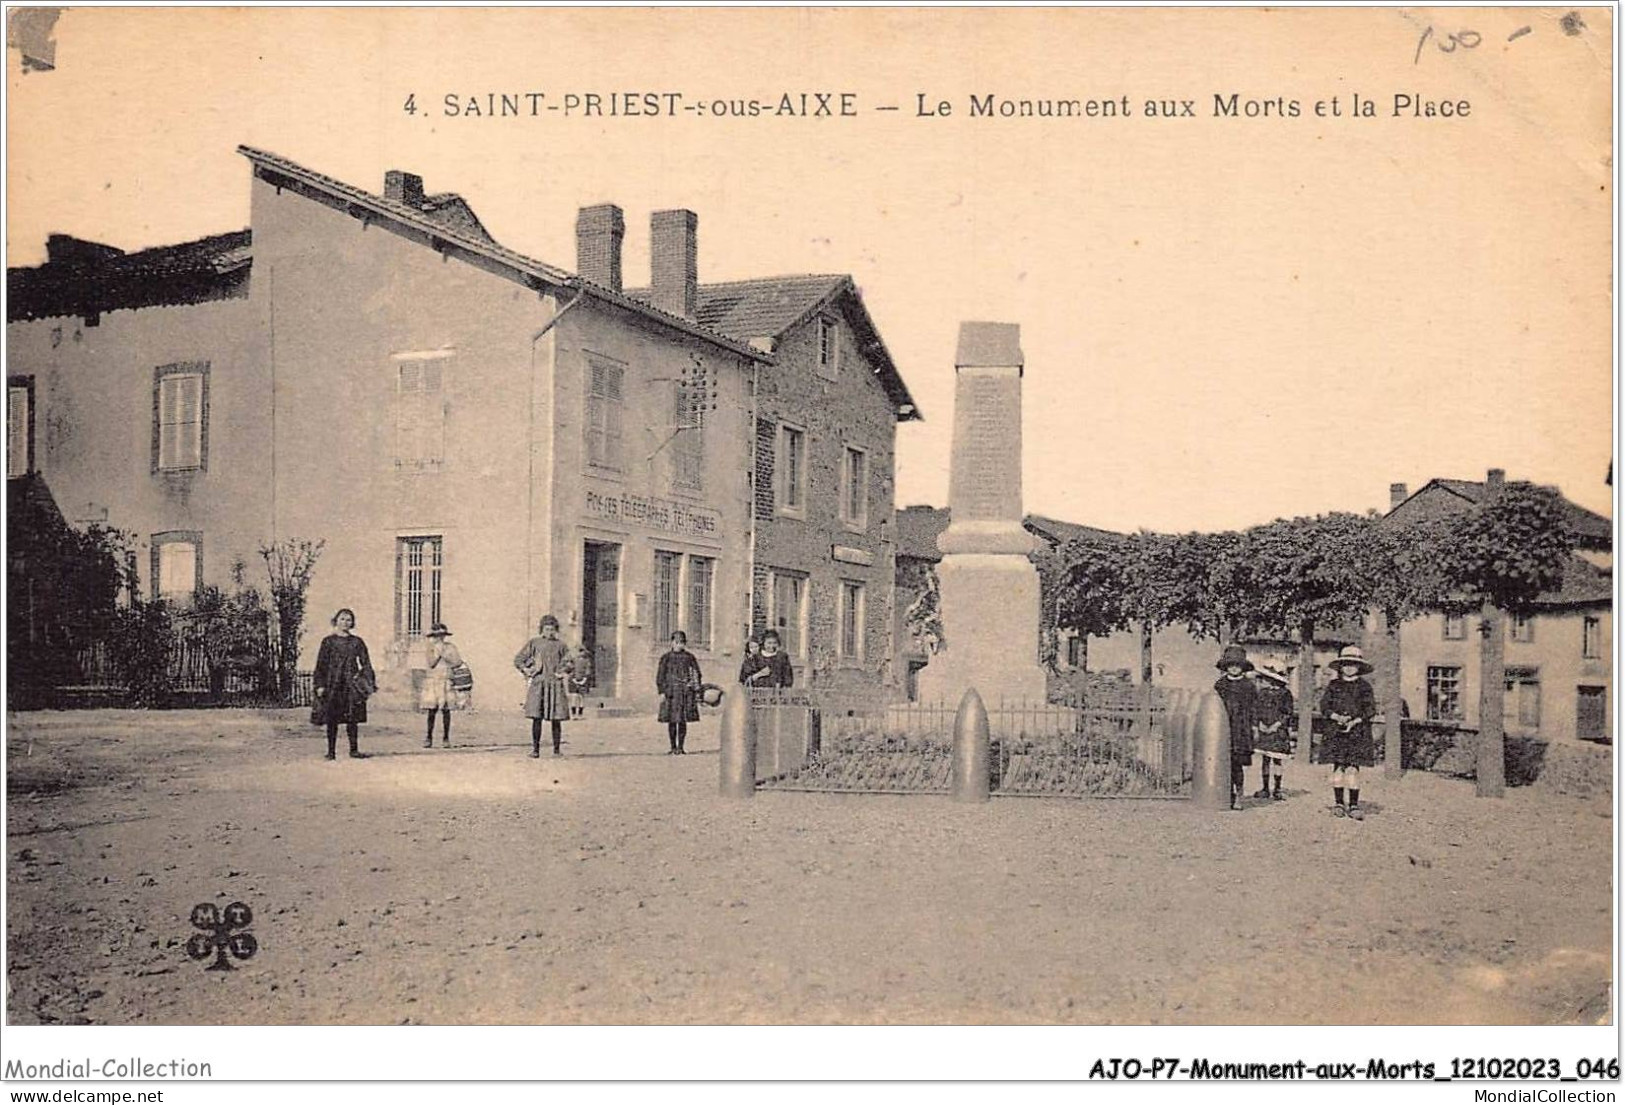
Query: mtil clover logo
[[221, 933]]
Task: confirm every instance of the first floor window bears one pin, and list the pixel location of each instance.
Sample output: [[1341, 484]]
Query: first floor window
[[180, 404], [420, 409], [1455, 627], [687, 442], [792, 469], [1444, 693], [855, 487], [20, 426], [177, 566], [1523, 697], [851, 614], [419, 564], [788, 613], [667, 582], [1591, 638], [605, 379], [1521, 628]]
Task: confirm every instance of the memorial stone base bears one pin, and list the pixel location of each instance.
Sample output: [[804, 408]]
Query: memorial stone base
[[990, 607]]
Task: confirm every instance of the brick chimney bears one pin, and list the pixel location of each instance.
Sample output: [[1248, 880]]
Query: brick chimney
[[66, 248], [403, 187], [674, 261], [599, 231], [1397, 493], [1495, 480]]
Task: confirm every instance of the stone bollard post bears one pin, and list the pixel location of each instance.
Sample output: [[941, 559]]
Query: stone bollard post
[[1193, 705], [738, 754], [971, 751], [1173, 734], [1210, 786]]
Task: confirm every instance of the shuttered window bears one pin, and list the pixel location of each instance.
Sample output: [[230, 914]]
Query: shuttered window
[[180, 417], [420, 410], [605, 380]]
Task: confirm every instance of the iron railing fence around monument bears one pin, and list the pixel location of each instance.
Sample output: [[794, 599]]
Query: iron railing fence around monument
[[1112, 746]]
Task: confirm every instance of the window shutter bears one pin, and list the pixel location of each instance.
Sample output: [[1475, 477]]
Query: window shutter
[[168, 409], [189, 420], [408, 408], [434, 411]]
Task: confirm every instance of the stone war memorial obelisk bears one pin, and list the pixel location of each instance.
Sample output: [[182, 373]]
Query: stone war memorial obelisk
[[987, 586]]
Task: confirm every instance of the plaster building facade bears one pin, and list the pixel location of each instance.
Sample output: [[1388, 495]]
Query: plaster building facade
[[477, 436], [1559, 660]]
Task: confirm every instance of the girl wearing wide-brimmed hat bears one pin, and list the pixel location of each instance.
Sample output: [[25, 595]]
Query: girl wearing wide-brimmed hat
[[1241, 704], [545, 663], [437, 694], [1272, 733], [1348, 704]]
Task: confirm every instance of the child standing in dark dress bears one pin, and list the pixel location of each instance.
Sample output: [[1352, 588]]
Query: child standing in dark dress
[[1272, 738], [341, 682], [1348, 704], [678, 681], [1241, 704], [545, 663]]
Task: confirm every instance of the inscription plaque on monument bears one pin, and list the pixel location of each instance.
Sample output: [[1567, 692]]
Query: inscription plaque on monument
[[988, 587]]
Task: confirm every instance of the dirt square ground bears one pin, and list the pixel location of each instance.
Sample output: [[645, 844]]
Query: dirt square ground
[[613, 885]]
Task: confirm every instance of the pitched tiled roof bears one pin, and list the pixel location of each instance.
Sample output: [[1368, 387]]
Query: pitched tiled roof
[[98, 280], [478, 243], [1584, 584], [762, 308], [768, 307], [1058, 532], [1591, 530], [917, 531], [919, 526]]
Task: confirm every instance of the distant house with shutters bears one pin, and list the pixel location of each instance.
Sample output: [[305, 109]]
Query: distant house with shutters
[[479, 437], [1559, 659]]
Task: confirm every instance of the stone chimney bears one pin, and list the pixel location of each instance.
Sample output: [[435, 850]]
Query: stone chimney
[[674, 261], [1397, 493], [403, 187], [65, 248], [599, 231], [1496, 479]]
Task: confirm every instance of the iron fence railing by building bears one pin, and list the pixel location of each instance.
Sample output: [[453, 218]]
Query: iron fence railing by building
[[1108, 749]]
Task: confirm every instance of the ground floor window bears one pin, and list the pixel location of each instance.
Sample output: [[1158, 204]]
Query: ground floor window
[[667, 575], [701, 608], [1523, 697], [850, 643], [787, 612], [684, 589], [419, 564], [177, 566], [1444, 693]]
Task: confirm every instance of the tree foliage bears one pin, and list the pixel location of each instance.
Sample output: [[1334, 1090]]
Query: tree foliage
[[1305, 571], [290, 564], [1509, 549]]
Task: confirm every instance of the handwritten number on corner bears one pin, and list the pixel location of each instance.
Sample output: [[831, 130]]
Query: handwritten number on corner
[[1448, 44]]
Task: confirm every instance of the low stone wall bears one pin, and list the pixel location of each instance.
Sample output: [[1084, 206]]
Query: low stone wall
[[1579, 770]]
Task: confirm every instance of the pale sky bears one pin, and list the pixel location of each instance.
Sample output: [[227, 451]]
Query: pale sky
[[1224, 320]]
